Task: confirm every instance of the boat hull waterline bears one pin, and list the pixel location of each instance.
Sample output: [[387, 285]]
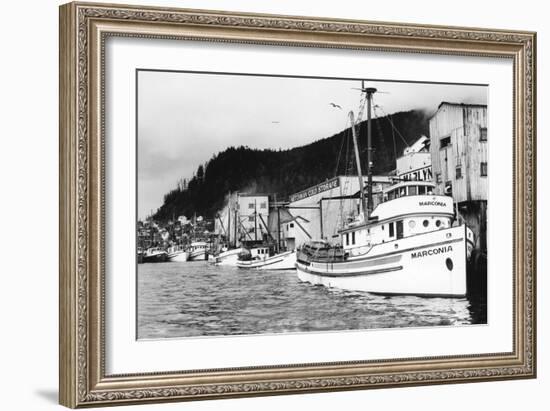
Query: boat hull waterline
[[431, 264], [283, 261]]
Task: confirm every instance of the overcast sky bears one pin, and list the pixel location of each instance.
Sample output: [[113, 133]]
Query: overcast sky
[[186, 118]]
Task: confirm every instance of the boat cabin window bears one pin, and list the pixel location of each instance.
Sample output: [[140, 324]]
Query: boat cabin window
[[425, 223], [347, 238], [391, 229], [412, 190], [353, 237]]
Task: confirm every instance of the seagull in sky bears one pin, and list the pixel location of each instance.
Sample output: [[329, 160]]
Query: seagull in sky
[[335, 105]]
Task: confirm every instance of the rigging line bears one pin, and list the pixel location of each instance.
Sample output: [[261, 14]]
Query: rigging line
[[393, 126], [341, 147], [392, 132]]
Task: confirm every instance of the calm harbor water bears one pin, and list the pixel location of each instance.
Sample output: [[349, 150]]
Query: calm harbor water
[[198, 299]]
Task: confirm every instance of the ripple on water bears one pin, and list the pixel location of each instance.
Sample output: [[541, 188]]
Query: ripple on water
[[198, 299]]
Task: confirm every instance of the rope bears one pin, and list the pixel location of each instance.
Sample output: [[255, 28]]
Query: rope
[[393, 126]]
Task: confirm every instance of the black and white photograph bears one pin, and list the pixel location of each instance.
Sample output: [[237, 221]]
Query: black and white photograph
[[271, 204]]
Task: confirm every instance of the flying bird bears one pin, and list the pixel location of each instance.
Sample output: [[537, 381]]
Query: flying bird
[[335, 106]]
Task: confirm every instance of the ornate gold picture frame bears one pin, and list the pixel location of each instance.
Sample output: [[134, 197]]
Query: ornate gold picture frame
[[84, 29]]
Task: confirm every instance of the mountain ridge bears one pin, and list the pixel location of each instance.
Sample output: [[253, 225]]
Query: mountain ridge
[[284, 172]]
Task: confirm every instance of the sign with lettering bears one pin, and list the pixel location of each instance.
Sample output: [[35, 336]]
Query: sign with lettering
[[319, 188], [433, 251], [423, 174]]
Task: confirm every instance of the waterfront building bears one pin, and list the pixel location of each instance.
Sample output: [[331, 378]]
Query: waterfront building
[[318, 212], [458, 148], [244, 219]]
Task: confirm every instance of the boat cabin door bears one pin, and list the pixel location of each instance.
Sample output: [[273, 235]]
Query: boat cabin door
[[399, 229]]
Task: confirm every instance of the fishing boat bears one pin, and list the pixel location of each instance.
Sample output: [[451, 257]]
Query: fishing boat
[[155, 255], [259, 258], [410, 244], [227, 257], [177, 253], [197, 251]]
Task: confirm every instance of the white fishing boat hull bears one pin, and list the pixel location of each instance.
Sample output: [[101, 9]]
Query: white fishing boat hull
[[179, 257], [198, 255], [283, 261], [431, 264], [229, 257]]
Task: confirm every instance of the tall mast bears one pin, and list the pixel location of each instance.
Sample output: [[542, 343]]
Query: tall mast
[[358, 161], [366, 203], [370, 91]]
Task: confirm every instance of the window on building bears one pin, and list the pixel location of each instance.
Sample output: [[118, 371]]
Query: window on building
[[250, 205], [483, 134], [251, 218], [353, 238], [444, 142], [263, 205], [391, 229], [483, 169], [291, 225], [458, 172], [438, 178]]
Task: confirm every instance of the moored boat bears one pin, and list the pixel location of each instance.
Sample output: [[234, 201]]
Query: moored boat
[[408, 248], [177, 253], [197, 251], [259, 258], [155, 255]]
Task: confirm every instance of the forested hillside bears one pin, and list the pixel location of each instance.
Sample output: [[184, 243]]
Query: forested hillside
[[284, 172]]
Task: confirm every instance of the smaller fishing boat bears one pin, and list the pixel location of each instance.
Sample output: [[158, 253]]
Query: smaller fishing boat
[[155, 255], [197, 251], [227, 257], [177, 253], [258, 258]]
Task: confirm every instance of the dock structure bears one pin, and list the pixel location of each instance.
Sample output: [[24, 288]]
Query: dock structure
[[458, 149]]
